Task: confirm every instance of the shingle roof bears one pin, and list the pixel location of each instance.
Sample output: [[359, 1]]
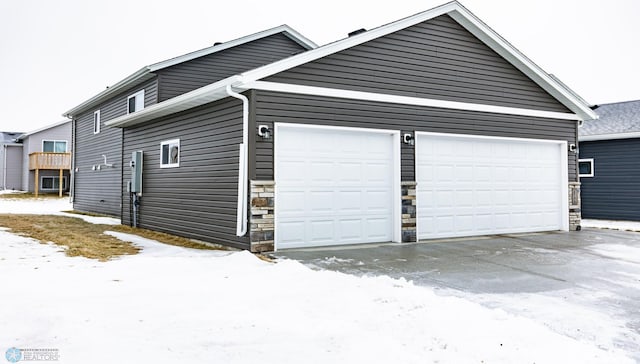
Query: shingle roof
[[617, 121]]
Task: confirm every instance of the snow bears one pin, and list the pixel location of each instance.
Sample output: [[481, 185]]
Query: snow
[[170, 304], [611, 224]]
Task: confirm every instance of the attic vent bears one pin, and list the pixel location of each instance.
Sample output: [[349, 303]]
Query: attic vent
[[217, 43], [356, 32]]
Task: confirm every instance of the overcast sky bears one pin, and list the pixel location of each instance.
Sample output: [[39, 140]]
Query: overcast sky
[[55, 54]]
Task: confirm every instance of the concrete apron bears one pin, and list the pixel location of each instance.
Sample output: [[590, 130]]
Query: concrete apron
[[500, 271]]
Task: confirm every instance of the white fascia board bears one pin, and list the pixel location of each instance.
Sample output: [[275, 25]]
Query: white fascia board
[[51, 126], [201, 96], [118, 87], [588, 138], [487, 35], [346, 43], [139, 75], [406, 100], [468, 21], [289, 32]]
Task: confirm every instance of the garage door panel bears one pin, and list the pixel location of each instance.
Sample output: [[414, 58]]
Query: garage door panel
[[473, 186], [346, 180]]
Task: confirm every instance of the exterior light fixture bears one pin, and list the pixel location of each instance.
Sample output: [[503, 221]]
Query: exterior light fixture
[[573, 148], [264, 131], [408, 139]]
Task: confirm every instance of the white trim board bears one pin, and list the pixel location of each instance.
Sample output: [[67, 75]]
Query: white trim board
[[406, 100], [588, 138]]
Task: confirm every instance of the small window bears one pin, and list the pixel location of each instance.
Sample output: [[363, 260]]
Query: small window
[[52, 183], [585, 167], [54, 146], [96, 122], [170, 153], [135, 102]]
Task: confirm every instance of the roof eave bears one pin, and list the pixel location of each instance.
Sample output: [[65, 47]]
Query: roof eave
[[122, 85], [596, 137], [195, 98]]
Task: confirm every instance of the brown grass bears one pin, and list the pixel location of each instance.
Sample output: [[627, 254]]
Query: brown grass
[[85, 239]]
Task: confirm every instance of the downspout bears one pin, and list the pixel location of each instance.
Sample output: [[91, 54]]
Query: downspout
[[241, 213], [4, 169], [72, 172]]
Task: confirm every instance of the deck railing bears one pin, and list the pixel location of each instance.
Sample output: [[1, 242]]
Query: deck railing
[[45, 160]]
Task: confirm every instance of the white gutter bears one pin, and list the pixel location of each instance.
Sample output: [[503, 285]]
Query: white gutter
[[629, 135], [241, 214]]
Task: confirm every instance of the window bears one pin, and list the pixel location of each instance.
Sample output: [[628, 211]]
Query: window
[[585, 167], [135, 102], [54, 146], [52, 183], [96, 122], [170, 153]]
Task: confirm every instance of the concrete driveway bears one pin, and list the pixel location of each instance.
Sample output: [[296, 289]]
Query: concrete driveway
[[583, 284]]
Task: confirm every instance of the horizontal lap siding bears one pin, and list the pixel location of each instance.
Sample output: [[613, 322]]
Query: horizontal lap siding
[[198, 199], [613, 192], [99, 191], [436, 59], [290, 108], [188, 76]]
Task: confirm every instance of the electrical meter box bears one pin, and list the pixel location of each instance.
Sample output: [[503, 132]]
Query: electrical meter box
[[136, 172]]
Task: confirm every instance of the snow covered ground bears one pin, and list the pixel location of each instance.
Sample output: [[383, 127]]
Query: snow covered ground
[[170, 304]]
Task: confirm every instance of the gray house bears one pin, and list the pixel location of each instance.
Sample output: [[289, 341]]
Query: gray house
[[609, 163], [432, 126], [10, 161], [46, 158]]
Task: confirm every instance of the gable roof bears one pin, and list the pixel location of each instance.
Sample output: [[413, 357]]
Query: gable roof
[[454, 9], [145, 73], [620, 120], [47, 127]]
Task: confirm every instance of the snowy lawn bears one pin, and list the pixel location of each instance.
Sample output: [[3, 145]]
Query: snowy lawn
[[170, 304]]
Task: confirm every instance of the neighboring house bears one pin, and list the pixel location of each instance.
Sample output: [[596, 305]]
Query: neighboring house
[[610, 163], [98, 156], [432, 126], [10, 161], [46, 159]]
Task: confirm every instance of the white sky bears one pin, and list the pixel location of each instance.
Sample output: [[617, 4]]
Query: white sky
[[56, 54]]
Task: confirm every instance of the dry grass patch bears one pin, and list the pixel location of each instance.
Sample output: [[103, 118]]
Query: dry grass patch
[[85, 239]]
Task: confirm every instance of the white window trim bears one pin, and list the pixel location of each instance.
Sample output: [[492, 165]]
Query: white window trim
[[590, 161], [96, 122], [170, 142], [64, 183], [139, 97], [66, 149]]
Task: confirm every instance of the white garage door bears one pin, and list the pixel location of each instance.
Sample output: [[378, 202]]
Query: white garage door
[[334, 186], [481, 186]]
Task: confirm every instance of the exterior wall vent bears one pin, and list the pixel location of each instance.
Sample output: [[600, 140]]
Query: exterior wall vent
[[356, 32]]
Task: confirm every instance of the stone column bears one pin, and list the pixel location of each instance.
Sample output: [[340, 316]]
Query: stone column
[[409, 232], [262, 216], [575, 214]]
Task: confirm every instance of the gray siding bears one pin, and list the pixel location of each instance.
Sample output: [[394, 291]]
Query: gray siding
[[290, 108], [34, 143], [613, 192], [99, 191], [13, 169], [188, 76], [436, 59], [198, 199]]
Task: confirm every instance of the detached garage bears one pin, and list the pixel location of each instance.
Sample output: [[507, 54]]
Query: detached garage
[[429, 127]]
